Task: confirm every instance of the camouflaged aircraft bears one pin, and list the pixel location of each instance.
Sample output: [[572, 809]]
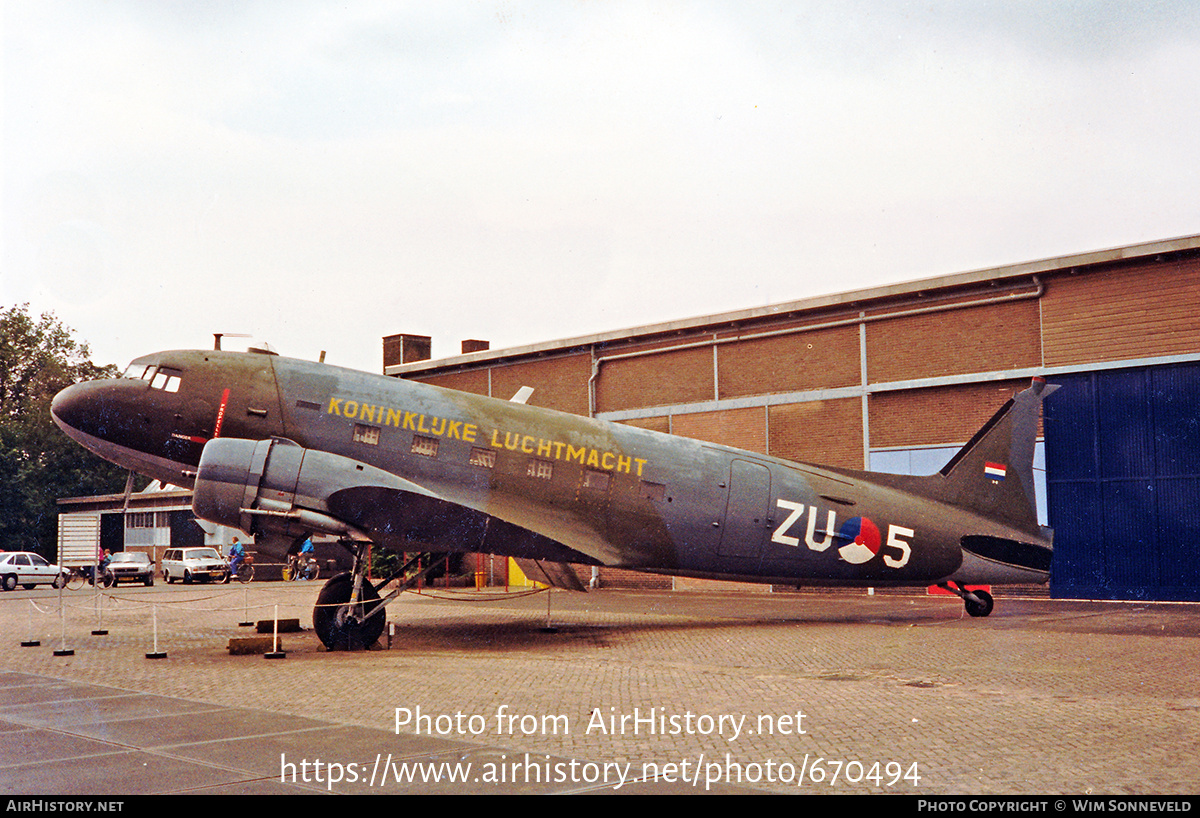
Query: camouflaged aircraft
[[283, 449]]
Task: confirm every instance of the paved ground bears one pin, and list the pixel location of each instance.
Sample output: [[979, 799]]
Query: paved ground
[[728, 692]]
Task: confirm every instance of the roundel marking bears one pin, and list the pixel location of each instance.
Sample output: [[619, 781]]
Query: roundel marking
[[865, 538]]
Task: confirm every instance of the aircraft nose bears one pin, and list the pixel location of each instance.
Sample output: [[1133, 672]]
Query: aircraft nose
[[85, 408], [67, 407]]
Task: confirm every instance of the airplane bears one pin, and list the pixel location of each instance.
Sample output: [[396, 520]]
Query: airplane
[[284, 449]]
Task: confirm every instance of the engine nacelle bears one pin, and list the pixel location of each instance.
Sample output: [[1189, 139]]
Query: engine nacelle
[[277, 487]]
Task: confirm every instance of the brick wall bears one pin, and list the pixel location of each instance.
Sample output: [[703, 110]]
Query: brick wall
[[1141, 310], [932, 417], [681, 376], [741, 428], [976, 339], [790, 363], [828, 432]]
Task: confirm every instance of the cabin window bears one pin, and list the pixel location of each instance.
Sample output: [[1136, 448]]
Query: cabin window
[[425, 446], [366, 434], [596, 480], [540, 469], [484, 458], [653, 491]]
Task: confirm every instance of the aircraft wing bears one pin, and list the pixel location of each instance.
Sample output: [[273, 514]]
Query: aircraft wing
[[408, 520]]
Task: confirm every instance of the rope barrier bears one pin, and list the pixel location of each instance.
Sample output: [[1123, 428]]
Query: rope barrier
[[123, 607]]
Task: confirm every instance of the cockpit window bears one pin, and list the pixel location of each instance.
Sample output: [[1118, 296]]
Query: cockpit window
[[166, 379], [140, 372]]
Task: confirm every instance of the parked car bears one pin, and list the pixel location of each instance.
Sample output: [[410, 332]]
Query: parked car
[[28, 569], [190, 564], [129, 566]]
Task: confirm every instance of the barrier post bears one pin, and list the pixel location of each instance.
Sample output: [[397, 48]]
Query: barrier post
[[156, 653]]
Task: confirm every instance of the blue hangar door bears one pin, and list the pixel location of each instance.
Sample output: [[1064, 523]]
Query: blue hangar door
[[1123, 483]]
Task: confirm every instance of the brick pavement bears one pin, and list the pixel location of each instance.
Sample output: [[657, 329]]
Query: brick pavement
[[1042, 697]]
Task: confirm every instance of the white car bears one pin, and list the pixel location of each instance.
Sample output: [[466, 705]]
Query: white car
[[28, 569], [190, 564]]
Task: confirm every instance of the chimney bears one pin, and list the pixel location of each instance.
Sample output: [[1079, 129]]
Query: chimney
[[474, 345], [404, 349]]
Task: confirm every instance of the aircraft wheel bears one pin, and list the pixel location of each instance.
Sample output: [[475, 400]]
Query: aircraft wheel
[[336, 627], [981, 608]]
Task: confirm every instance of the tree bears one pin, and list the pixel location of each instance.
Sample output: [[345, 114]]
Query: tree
[[38, 463]]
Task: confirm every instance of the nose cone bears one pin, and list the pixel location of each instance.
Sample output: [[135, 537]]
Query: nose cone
[[76, 409], [97, 415], [68, 409]]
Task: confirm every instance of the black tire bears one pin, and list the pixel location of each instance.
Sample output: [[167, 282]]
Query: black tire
[[336, 631], [10, 582], [981, 608], [28, 586], [76, 581], [149, 581], [245, 573], [187, 577]]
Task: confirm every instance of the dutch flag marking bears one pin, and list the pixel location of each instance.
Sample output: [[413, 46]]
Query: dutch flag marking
[[995, 471]]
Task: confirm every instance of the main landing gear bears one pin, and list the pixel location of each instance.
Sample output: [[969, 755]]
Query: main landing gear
[[344, 619], [349, 612], [978, 603]]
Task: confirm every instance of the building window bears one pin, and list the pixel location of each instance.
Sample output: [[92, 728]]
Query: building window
[[139, 519], [425, 446], [484, 458], [540, 469], [368, 434]]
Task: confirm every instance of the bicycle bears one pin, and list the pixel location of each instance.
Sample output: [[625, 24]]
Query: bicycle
[[294, 570], [76, 578], [245, 571]]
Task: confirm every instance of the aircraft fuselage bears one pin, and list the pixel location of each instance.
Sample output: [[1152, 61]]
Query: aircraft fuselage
[[417, 467]]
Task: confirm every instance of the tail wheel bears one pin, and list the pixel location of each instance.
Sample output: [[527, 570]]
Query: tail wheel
[[339, 625]]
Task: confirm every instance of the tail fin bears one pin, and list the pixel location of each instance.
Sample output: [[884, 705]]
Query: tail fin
[[993, 473]]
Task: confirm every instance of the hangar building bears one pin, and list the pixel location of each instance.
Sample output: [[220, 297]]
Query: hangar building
[[897, 378]]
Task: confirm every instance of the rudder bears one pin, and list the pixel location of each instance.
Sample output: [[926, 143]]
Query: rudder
[[993, 474]]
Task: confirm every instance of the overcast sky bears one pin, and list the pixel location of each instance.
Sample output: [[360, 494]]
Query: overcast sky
[[322, 174]]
